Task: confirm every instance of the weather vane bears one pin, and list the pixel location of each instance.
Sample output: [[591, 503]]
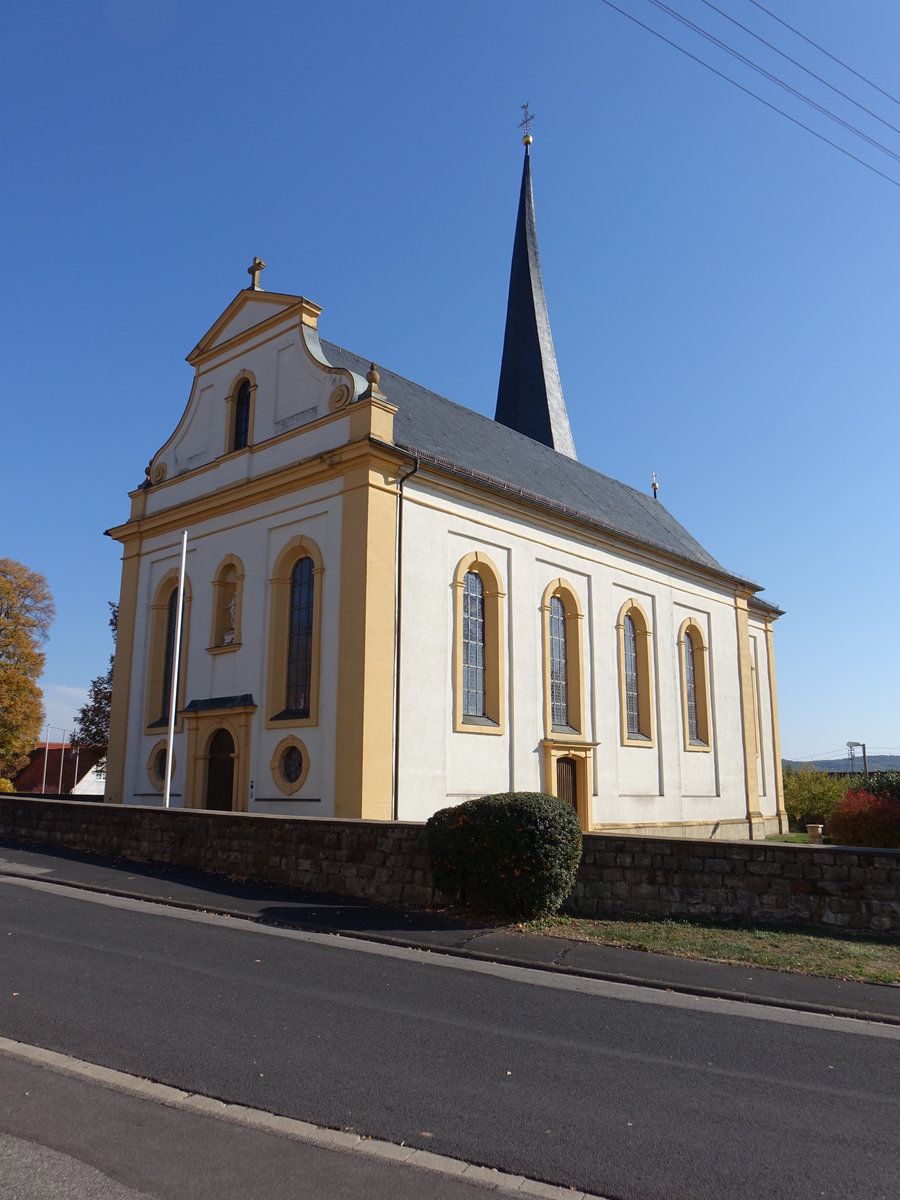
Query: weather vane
[[525, 123]]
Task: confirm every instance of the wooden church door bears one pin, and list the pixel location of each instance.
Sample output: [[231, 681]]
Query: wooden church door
[[220, 771], [566, 788]]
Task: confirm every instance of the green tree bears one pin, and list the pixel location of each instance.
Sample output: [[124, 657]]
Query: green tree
[[811, 796], [92, 721], [26, 613]]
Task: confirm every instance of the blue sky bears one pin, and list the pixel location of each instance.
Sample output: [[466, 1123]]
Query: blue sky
[[722, 285]]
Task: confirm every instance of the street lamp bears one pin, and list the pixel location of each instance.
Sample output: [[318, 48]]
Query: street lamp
[[851, 746]]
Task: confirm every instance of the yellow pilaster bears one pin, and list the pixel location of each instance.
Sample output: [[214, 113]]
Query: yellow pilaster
[[118, 713], [745, 672], [776, 732], [363, 773]]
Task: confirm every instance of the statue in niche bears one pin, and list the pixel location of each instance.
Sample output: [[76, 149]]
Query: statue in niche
[[228, 638]]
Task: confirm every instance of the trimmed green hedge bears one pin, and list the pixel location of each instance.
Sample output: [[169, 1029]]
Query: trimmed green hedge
[[515, 852]]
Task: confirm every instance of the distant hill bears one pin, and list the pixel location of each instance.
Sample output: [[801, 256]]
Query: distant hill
[[877, 762]]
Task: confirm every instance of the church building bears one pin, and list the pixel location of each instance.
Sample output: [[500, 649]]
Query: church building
[[393, 603]]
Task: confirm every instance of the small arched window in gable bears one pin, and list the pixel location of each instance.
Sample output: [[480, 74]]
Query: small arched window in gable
[[473, 646], [241, 417], [300, 639], [559, 684]]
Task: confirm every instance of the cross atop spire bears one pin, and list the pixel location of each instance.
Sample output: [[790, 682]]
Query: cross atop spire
[[525, 124], [530, 397], [253, 271]]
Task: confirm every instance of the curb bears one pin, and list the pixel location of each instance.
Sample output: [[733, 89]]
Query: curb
[[709, 993], [301, 1131]]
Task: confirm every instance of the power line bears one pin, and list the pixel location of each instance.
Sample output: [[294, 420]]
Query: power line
[[787, 57], [822, 50], [777, 80], [749, 92]]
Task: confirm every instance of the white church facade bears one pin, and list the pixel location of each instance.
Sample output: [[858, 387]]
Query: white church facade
[[393, 603]]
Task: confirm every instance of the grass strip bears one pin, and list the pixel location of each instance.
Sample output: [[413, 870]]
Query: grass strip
[[838, 955]]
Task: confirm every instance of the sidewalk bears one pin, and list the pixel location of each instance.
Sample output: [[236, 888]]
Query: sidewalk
[[445, 934]]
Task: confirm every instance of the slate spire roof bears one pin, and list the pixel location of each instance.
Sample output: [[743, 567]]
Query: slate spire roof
[[530, 398]]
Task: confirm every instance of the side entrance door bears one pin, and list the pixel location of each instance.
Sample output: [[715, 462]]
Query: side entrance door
[[220, 772], [566, 787]]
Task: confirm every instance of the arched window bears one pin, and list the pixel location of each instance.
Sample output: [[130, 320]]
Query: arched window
[[559, 684], [473, 645], [299, 647], [169, 661], [563, 654], [242, 417], [635, 688], [239, 404], [295, 625], [694, 688], [161, 660], [478, 646]]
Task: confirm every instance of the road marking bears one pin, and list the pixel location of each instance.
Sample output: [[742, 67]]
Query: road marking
[[301, 1131], [607, 989]]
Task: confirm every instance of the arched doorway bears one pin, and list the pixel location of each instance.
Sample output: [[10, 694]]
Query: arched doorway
[[220, 771], [566, 785]]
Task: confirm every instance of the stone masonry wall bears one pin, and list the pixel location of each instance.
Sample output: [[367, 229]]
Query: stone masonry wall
[[388, 863]]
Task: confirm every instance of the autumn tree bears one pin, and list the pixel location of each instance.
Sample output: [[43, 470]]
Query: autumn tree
[[92, 721], [26, 613]]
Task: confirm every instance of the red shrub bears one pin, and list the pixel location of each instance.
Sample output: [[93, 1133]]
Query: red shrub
[[862, 819]]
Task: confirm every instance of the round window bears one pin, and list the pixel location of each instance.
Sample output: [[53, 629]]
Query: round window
[[291, 764]]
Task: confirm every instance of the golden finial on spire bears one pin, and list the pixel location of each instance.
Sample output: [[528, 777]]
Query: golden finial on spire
[[525, 124]]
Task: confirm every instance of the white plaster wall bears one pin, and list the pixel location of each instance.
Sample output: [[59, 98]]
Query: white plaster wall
[[257, 536], [663, 783]]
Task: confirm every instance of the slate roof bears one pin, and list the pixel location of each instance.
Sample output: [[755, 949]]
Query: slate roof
[[490, 454]]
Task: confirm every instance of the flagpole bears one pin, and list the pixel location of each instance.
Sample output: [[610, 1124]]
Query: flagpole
[[176, 657]]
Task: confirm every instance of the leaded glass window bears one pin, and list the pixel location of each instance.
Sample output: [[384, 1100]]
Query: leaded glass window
[[242, 417], [559, 684], [169, 661], [690, 687], [473, 645], [632, 708], [300, 630]]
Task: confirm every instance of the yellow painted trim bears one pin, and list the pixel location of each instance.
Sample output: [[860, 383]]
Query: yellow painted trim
[[582, 754], [643, 641], [776, 731], [158, 781], [221, 599], [156, 705], [202, 727], [364, 757], [244, 375], [279, 625], [295, 477], [372, 417], [748, 716], [275, 765], [122, 672], [494, 634], [701, 686], [574, 623]]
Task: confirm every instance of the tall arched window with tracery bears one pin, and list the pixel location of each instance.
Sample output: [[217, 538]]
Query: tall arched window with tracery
[[473, 645], [478, 658], [635, 679], [169, 660], [300, 639], [690, 685], [695, 705], [559, 682], [161, 657]]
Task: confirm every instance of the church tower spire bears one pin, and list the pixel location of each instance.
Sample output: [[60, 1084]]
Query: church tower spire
[[530, 398]]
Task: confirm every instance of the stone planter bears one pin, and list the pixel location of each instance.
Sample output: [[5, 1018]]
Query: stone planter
[[814, 833]]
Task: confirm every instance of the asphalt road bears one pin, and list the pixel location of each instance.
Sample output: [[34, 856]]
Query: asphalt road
[[620, 1091]]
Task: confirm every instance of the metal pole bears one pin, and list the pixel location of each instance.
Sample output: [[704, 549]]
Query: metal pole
[[176, 662], [77, 756], [62, 757], [865, 761], [46, 752]]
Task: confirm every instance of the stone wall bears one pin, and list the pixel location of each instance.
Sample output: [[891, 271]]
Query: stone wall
[[388, 863]]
